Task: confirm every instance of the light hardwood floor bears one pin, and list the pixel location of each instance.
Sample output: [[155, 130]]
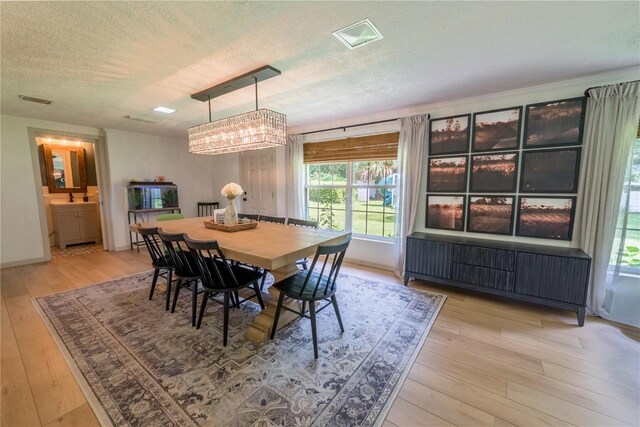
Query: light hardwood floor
[[486, 361]]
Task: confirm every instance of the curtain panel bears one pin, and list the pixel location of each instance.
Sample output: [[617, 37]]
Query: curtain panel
[[610, 129], [294, 160], [413, 139]]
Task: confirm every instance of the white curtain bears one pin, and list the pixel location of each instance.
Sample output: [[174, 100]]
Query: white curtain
[[413, 137], [294, 159], [610, 128]]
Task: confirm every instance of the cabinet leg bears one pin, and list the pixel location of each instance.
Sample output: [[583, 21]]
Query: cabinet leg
[[581, 313], [406, 279]]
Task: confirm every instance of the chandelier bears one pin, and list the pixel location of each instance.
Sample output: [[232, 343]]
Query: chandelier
[[253, 130]]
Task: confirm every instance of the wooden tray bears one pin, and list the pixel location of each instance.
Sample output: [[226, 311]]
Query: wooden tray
[[231, 228]]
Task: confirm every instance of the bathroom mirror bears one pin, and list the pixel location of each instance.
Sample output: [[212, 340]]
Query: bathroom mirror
[[65, 167]]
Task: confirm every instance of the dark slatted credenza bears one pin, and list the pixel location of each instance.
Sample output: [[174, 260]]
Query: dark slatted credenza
[[547, 275]]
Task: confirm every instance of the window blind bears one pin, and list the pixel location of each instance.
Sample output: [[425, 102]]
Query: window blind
[[371, 147]]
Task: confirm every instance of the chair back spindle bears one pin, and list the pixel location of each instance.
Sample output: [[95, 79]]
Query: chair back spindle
[[152, 242], [210, 259], [179, 254], [333, 256]]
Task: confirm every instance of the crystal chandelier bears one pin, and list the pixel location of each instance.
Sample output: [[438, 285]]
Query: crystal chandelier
[[254, 130]]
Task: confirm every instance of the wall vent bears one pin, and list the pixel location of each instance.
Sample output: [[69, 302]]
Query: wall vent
[[140, 119], [32, 99], [358, 34]]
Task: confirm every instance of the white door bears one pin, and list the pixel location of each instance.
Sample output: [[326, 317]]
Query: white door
[[258, 182]]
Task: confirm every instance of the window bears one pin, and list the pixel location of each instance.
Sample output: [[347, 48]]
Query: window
[[357, 196], [626, 249]]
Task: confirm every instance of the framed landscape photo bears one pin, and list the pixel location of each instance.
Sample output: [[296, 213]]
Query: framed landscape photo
[[546, 217], [449, 135], [497, 129], [447, 174], [445, 212], [494, 173], [490, 214], [554, 123], [550, 171]]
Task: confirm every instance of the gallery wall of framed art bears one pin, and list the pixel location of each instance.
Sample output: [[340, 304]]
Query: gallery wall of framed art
[[511, 171]]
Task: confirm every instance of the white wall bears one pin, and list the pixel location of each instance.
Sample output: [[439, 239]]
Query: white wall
[[20, 229], [145, 157]]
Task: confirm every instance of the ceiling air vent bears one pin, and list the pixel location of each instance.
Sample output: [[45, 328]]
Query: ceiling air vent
[[140, 119], [358, 34], [32, 99]]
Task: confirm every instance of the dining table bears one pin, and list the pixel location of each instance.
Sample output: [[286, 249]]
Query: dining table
[[272, 247]]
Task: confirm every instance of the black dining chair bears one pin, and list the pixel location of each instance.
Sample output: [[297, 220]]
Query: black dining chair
[[252, 217], [185, 269], [220, 276], [207, 208], [312, 286], [272, 219], [302, 223], [162, 264]]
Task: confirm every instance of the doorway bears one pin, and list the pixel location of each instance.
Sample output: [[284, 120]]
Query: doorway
[[69, 187], [258, 182]]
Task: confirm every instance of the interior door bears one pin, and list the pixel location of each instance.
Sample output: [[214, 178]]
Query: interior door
[[258, 182]]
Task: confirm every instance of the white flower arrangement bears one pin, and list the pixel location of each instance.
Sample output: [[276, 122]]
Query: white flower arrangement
[[231, 190]]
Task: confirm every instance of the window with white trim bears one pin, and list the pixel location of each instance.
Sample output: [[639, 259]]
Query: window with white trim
[[355, 196]]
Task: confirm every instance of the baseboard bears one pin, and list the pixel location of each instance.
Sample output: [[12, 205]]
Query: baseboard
[[23, 262], [368, 264]]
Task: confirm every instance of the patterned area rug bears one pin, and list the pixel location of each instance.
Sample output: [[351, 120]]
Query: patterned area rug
[[73, 250], [141, 365]]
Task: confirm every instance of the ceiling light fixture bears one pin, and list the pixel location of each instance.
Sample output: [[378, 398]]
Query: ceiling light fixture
[[253, 130], [358, 34], [164, 110]]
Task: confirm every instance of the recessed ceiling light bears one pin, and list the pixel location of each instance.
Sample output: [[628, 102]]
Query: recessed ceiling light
[[358, 34], [164, 110], [32, 99]]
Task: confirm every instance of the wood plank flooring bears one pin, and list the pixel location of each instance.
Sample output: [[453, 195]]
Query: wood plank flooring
[[486, 362]]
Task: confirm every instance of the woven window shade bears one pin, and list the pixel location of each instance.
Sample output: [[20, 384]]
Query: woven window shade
[[371, 147], [638, 134]]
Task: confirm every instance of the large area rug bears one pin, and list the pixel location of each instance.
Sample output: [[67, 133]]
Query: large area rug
[[140, 365]]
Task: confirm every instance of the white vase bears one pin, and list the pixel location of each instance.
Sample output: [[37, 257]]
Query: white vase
[[230, 212]]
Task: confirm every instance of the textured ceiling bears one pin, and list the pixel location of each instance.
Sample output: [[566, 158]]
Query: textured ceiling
[[100, 61]]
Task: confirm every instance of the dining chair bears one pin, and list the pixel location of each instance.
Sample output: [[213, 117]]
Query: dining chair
[[272, 219], [219, 276], [185, 269], [253, 217], [302, 223], [162, 264], [207, 208], [169, 217], [313, 286]]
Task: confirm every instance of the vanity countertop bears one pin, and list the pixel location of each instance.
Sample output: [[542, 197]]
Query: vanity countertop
[[66, 202]]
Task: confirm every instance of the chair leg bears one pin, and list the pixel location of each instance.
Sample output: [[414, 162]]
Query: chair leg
[[194, 302], [153, 282], [175, 296], [258, 294], [203, 307], [335, 307], [304, 265], [237, 303], [225, 329], [277, 316], [304, 306], [314, 332], [168, 297], [262, 282]]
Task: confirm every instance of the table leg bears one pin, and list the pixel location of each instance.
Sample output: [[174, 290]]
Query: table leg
[[260, 328]]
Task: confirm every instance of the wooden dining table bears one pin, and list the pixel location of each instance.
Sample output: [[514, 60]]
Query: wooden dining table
[[273, 247]]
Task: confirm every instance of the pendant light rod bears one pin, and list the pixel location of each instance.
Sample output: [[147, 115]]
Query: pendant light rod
[[256, 82], [209, 100]]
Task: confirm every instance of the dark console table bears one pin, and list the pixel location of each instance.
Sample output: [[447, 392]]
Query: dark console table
[[547, 275]]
